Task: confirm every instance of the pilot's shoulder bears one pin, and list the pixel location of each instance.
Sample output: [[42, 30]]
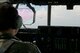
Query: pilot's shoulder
[[27, 45], [24, 43]]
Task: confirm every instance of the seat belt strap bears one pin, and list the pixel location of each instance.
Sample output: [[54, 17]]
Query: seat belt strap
[[6, 46]]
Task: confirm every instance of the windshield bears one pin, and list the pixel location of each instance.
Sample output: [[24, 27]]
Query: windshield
[[60, 16]]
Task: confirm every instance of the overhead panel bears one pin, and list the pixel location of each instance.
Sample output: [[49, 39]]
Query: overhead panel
[[53, 2]]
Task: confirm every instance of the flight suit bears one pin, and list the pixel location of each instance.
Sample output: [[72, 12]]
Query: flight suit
[[18, 46]]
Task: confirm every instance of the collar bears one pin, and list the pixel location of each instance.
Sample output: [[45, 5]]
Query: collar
[[7, 36]]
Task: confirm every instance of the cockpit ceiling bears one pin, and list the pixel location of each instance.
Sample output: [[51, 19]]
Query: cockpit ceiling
[[3, 1], [46, 2]]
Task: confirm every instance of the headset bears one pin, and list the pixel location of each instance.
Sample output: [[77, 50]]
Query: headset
[[18, 23], [9, 17]]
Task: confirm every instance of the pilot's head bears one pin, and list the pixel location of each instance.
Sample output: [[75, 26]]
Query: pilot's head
[[10, 21]]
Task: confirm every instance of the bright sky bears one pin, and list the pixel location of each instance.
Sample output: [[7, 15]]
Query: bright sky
[[60, 16]]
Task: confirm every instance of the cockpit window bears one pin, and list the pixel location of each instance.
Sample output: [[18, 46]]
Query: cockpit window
[[27, 15], [60, 16]]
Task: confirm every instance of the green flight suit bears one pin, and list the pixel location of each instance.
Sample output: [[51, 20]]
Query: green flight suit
[[19, 46]]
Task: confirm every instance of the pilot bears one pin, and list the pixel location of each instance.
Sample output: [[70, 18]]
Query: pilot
[[10, 23]]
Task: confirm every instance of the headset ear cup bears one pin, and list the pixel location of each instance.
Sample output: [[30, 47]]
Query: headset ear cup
[[19, 21]]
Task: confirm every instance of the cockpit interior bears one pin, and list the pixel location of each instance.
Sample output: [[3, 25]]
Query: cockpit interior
[[53, 25]]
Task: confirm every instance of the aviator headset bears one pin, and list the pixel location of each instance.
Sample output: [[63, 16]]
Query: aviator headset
[[10, 19]]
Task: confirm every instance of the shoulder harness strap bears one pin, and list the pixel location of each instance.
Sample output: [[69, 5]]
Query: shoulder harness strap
[[6, 46]]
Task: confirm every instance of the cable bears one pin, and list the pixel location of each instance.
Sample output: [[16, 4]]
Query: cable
[[32, 8]]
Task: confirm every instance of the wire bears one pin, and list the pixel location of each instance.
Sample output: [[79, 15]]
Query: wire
[[32, 8]]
